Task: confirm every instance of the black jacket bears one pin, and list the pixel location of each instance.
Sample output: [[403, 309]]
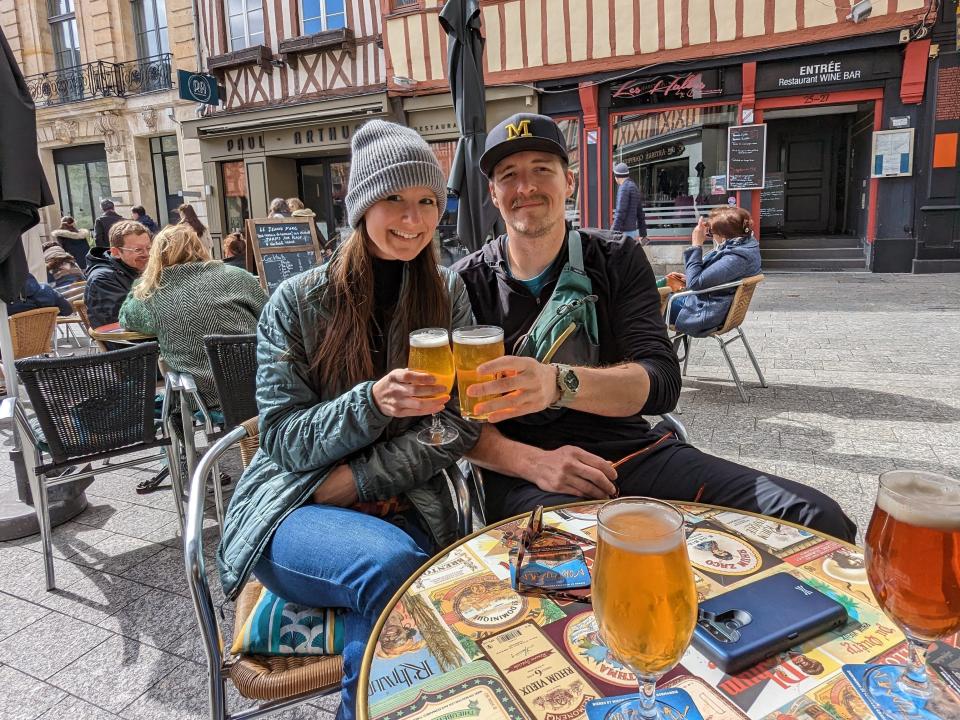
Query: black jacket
[[37, 295], [101, 228], [630, 326], [108, 284]]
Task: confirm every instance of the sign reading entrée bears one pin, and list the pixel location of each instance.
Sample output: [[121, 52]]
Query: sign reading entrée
[[198, 87], [746, 156]]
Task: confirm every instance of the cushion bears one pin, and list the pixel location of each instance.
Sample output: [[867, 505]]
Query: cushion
[[277, 627]]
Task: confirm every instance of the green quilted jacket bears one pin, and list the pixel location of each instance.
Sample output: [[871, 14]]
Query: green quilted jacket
[[305, 431]]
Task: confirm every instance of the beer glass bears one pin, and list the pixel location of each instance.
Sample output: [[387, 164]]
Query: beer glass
[[430, 353], [913, 563], [647, 625], [474, 345]]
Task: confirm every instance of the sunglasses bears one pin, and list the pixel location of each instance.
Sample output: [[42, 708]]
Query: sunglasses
[[549, 562]]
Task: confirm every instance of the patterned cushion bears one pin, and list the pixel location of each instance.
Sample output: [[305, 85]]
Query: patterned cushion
[[277, 627]]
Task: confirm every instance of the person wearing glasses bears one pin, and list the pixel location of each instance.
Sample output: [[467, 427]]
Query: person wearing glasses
[[111, 271]]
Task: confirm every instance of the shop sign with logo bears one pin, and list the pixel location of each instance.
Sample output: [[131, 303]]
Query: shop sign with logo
[[827, 70], [664, 152], [198, 87], [696, 85]]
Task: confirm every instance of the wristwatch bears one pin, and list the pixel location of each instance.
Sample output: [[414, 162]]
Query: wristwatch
[[568, 385]]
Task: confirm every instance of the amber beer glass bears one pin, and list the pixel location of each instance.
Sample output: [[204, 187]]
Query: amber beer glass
[[472, 346], [913, 562], [646, 623], [430, 353]]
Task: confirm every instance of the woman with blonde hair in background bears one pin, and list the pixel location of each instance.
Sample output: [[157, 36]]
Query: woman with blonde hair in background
[[184, 295], [298, 209]]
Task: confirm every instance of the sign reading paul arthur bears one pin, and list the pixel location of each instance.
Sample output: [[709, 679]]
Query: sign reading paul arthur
[[827, 70]]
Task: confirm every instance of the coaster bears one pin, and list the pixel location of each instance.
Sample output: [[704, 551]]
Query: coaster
[[674, 704]]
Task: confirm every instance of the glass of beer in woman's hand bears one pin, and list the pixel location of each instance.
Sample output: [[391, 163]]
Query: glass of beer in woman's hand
[[430, 353], [913, 563]]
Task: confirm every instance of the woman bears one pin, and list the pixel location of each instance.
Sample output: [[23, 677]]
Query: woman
[[235, 250], [74, 240], [62, 268], [188, 216], [342, 503], [298, 209], [736, 255], [279, 208], [183, 296]]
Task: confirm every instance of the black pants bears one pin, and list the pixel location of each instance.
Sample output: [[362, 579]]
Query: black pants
[[677, 471]]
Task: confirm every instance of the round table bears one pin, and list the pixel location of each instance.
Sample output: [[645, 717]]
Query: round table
[[115, 334], [457, 642]]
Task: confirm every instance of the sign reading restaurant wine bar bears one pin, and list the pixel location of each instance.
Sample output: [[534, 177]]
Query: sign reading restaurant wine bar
[[821, 70]]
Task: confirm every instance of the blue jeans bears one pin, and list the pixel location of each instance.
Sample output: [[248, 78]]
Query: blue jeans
[[324, 556], [635, 234]]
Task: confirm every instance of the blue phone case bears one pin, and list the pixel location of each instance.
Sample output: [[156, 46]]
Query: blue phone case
[[742, 627]]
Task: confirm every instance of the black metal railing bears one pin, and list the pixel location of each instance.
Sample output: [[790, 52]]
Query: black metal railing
[[101, 79]]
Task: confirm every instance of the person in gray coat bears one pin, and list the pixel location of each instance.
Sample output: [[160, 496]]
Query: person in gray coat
[[342, 503], [736, 255], [628, 215]]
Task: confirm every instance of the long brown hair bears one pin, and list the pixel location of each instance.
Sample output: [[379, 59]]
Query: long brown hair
[[344, 355], [190, 218]]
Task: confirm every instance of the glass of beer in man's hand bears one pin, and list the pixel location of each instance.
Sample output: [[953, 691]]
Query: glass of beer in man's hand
[[474, 345], [913, 563]]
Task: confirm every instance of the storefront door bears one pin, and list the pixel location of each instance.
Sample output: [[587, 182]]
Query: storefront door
[[323, 187]]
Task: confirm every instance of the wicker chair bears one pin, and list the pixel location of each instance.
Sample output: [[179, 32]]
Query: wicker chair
[[81, 307], [32, 331], [735, 317], [276, 682], [88, 408], [73, 293]]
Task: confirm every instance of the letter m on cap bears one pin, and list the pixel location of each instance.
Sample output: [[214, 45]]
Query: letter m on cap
[[521, 129]]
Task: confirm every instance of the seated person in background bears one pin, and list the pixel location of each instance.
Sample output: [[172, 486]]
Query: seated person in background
[[110, 273], [140, 215], [74, 240], [736, 255], [38, 295], [556, 430], [62, 268], [279, 208], [183, 295], [235, 250], [342, 503]]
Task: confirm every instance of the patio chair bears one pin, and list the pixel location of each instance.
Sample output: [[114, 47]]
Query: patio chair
[[81, 307], [73, 293], [88, 408], [32, 331], [735, 317]]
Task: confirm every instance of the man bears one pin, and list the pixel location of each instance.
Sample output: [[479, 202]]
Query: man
[[628, 215], [140, 215], [102, 225], [536, 457], [110, 274]]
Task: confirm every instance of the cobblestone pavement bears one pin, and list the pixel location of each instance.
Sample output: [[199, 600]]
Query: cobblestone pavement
[[863, 377]]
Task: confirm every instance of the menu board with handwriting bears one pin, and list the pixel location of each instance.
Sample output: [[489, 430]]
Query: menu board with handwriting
[[746, 156], [283, 247]]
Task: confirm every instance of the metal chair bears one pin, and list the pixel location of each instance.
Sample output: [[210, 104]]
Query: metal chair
[[88, 408], [735, 317]]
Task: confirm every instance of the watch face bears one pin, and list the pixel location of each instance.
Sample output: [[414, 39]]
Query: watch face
[[571, 381]]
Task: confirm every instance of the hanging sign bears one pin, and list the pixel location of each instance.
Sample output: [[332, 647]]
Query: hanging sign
[[198, 87]]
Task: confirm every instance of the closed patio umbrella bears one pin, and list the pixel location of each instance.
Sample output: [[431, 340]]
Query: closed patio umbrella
[[461, 21]]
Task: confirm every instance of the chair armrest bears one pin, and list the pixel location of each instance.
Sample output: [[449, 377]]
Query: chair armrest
[[688, 293], [12, 409], [188, 382]]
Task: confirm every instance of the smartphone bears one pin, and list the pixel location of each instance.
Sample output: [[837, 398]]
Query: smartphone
[[744, 626]]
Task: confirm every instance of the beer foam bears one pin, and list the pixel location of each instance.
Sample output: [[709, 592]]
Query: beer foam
[[488, 338], [428, 340], [639, 528], [921, 499]]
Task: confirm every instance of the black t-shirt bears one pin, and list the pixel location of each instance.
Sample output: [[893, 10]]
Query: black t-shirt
[[387, 278], [630, 326]]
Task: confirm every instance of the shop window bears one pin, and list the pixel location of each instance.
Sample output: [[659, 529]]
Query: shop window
[[150, 27], [570, 127], [63, 32], [167, 181], [678, 158], [244, 23], [319, 15], [236, 208], [82, 182]]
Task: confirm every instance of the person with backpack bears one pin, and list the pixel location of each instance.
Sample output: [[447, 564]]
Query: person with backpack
[[628, 216], [581, 312]]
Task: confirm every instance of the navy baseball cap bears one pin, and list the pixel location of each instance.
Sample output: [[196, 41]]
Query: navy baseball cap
[[519, 133]]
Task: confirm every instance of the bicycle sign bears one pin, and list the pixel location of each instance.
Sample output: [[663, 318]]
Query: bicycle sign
[[198, 87]]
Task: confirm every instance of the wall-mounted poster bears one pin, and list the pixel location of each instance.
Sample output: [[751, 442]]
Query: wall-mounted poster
[[892, 153]]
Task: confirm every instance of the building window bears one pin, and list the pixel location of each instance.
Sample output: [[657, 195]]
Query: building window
[[150, 26], [405, 4], [82, 182], [166, 178], [236, 207], [244, 23], [678, 158], [319, 15], [63, 31]]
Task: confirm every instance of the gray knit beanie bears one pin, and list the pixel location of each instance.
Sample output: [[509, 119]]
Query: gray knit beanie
[[386, 159]]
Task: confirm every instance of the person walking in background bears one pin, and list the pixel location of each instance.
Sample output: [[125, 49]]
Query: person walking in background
[[279, 208], [110, 274], [298, 209], [628, 216], [101, 228], [74, 240], [235, 250], [35, 294], [188, 216], [140, 215]]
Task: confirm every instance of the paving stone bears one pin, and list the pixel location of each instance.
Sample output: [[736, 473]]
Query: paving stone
[[115, 673], [164, 570], [28, 581], [95, 596], [76, 709], [16, 614], [50, 644], [159, 619], [67, 539], [23, 697], [179, 695], [139, 521], [117, 554]]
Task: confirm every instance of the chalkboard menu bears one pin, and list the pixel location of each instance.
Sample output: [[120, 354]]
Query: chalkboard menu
[[283, 247], [773, 201], [746, 156]]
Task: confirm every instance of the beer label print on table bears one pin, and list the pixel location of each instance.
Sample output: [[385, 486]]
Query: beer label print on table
[[461, 643]]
